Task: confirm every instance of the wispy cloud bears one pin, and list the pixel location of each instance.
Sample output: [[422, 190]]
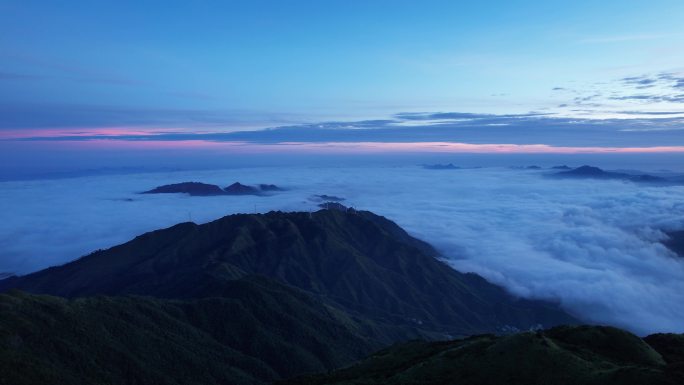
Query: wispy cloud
[[72, 72], [634, 96], [655, 113], [652, 98], [41, 116], [454, 131], [596, 116], [17, 76], [630, 38]]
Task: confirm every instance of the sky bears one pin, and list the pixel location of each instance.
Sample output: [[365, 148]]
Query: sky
[[581, 76]]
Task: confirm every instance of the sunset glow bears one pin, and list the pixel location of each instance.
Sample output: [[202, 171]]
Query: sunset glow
[[350, 147]]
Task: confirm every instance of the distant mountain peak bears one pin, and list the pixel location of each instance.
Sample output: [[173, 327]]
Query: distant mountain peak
[[333, 206], [325, 197], [205, 189], [586, 170], [438, 166], [238, 188], [597, 173], [192, 188]]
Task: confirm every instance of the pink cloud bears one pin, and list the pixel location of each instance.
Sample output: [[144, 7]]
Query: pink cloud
[[358, 147], [84, 132]]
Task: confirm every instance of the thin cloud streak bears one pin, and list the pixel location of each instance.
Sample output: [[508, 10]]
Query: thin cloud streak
[[630, 38], [366, 147]]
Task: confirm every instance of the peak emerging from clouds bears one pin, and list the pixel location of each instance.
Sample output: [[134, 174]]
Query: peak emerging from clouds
[[595, 245]]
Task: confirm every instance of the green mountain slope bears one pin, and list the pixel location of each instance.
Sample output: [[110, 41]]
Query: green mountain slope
[[257, 331], [559, 356], [246, 299], [356, 261]]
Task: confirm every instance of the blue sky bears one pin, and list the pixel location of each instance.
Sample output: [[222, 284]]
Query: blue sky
[[315, 60], [581, 76]]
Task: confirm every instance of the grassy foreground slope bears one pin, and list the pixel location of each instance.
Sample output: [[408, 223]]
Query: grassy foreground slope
[[581, 355], [258, 331]]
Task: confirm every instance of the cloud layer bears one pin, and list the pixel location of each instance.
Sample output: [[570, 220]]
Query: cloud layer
[[594, 246], [658, 129]]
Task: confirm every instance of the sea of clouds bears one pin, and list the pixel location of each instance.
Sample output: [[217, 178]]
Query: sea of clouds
[[595, 246]]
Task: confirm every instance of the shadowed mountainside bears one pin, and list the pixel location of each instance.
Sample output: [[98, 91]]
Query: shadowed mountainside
[[561, 356], [246, 299], [357, 261], [255, 332], [676, 242]]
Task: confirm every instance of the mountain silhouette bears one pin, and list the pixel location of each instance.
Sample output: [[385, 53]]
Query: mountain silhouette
[[204, 189], [245, 299], [357, 260], [597, 173]]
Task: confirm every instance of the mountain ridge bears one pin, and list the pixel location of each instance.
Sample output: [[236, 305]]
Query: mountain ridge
[[245, 299], [205, 189], [359, 261], [591, 172]]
